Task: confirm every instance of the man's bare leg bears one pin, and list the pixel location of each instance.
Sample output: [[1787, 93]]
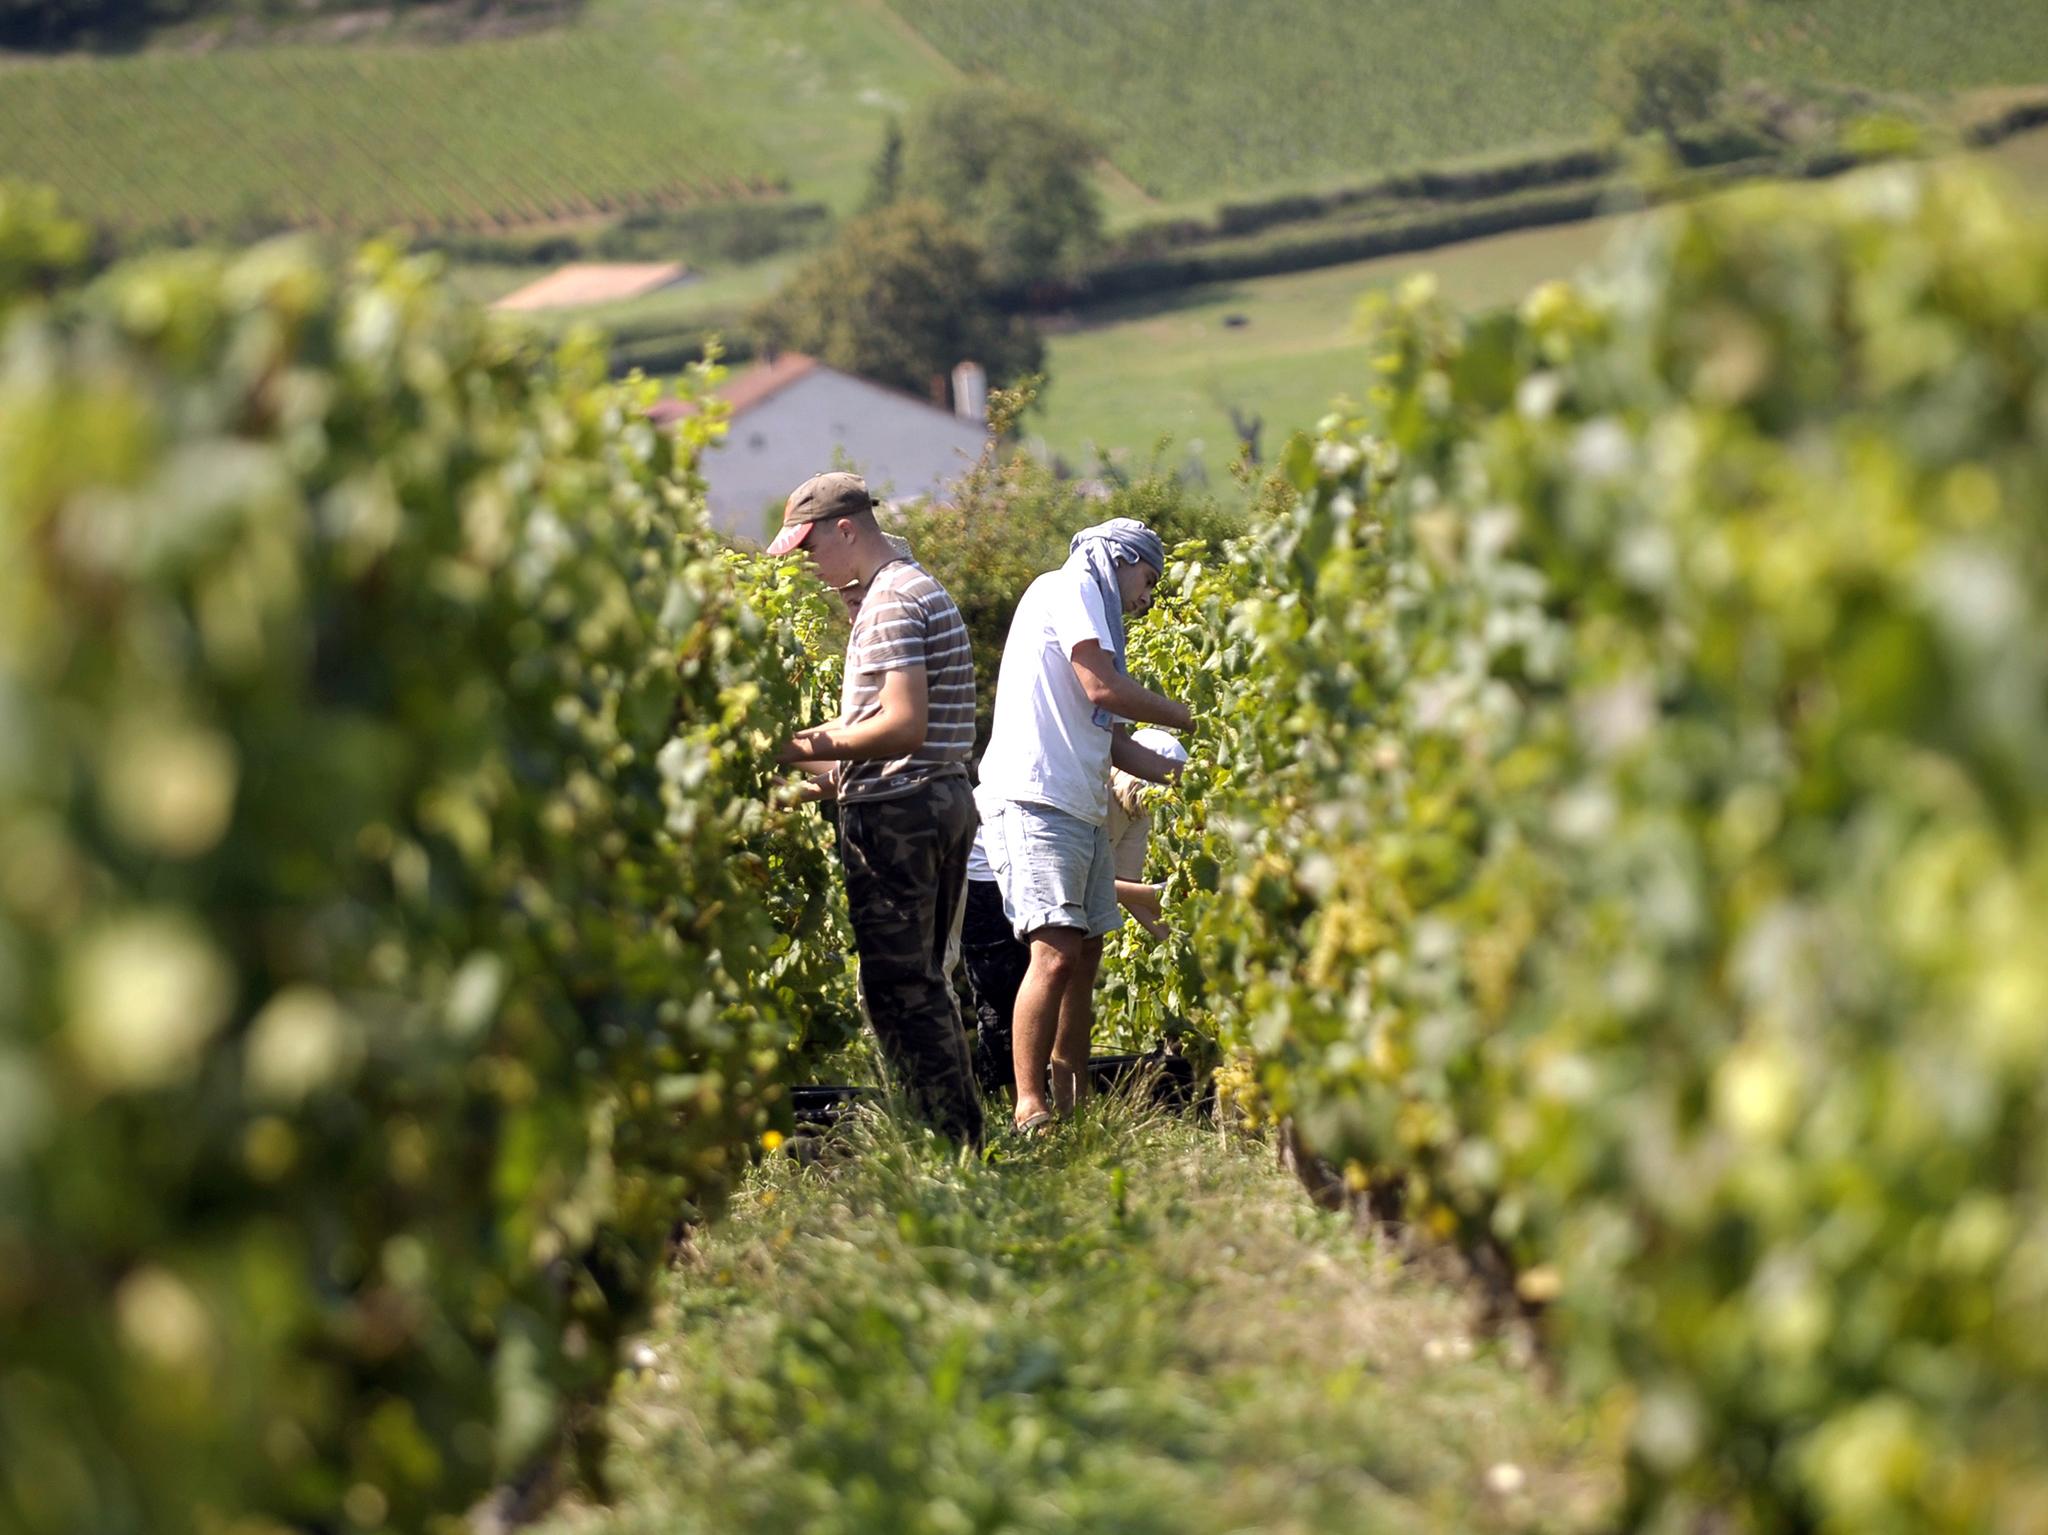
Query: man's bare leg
[[1076, 1028], [1035, 1019]]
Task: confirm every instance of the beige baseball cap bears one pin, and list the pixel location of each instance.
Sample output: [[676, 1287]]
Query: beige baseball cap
[[820, 499]]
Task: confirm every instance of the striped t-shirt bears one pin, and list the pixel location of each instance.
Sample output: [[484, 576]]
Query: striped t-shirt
[[905, 620]]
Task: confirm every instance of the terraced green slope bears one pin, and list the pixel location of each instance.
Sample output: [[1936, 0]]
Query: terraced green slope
[[660, 103], [637, 104], [1197, 97]]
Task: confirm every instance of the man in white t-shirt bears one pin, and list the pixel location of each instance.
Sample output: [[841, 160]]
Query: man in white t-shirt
[[1063, 698]]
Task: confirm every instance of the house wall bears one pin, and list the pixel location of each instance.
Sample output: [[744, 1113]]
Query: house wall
[[906, 449]]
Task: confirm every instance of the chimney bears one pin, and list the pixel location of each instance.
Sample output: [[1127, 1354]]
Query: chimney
[[970, 392]]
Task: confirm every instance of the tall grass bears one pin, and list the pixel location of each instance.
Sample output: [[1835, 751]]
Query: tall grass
[[1134, 1326]]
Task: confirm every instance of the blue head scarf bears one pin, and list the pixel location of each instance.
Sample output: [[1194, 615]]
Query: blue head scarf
[[1095, 553]]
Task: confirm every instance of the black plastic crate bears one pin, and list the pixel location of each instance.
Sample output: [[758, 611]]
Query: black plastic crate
[[1166, 1078], [822, 1107]]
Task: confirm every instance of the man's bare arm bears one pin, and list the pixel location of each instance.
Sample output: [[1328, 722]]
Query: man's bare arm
[[1142, 761], [895, 729], [1108, 688], [1142, 902]]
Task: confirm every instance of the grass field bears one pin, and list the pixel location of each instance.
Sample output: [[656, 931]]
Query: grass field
[[1196, 97], [2024, 159], [638, 103], [1134, 1327], [1144, 370]]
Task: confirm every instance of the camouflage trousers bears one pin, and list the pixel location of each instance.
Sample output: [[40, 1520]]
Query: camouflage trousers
[[996, 963], [906, 872]]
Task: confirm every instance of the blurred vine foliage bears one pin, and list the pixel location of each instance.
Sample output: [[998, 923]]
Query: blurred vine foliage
[[1622, 813], [399, 921]]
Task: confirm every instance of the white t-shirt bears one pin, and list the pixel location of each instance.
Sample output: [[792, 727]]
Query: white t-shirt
[[1046, 748]]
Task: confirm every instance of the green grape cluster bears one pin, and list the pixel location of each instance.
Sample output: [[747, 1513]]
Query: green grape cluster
[[393, 875], [1630, 825]]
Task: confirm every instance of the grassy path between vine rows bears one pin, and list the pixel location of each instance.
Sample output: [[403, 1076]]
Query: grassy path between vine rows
[[1135, 1325]]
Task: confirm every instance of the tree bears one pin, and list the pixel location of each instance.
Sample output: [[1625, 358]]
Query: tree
[[1014, 170], [900, 297], [53, 24], [1661, 75], [885, 175]]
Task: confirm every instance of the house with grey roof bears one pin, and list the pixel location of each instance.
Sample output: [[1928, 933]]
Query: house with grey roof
[[791, 417]]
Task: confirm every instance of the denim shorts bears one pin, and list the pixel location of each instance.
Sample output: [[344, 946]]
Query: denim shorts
[[1053, 868]]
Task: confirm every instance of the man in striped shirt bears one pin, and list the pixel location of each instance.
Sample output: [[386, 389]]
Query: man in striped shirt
[[900, 750]]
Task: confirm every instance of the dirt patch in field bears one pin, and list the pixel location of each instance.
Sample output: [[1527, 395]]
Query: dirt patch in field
[[594, 282]]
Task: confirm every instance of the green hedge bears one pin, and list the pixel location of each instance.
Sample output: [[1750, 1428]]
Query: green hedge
[[1434, 198], [661, 347], [390, 946], [1277, 251], [1623, 814], [1385, 230], [1472, 181], [712, 234], [2006, 121]]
